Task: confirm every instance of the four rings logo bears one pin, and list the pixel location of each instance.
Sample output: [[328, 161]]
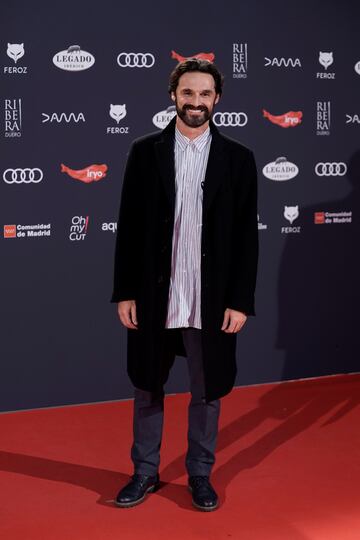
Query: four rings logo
[[230, 119], [331, 169], [146, 60], [23, 176]]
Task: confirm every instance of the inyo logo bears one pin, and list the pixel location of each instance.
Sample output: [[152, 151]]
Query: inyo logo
[[93, 173], [210, 57]]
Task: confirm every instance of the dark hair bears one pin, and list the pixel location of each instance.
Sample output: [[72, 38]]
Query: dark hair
[[196, 64]]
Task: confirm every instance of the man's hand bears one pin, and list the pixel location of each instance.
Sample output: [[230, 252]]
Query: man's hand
[[127, 313], [233, 321]]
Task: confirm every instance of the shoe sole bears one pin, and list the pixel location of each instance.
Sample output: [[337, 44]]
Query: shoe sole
[[203, 508], [151, 489]]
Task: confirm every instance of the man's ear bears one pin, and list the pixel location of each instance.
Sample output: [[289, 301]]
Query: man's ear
[[217, 99], [172, 95]]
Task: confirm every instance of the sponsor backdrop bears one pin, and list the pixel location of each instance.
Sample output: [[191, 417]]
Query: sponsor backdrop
[[78, 83]]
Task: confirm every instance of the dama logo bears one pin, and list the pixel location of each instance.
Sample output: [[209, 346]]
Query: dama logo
[[60, 117], [282, 62], [9, 231], [289, 119], [93, 173], [210, 57]]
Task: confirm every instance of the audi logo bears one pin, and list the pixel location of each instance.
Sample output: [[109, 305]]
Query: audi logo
[[146, 60], [230, 119], [23, 176], [331, 169]]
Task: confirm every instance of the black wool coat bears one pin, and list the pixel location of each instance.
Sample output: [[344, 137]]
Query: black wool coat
[[229, 252]]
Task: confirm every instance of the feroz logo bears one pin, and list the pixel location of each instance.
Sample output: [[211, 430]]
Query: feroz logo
[[282, 62], [291, 213], [15, 51], [162, 118], [23, 176], [325, 59], [78, 228], [93, 173], [29, 231], [210, 57], [240, 60], [332, 218], [13, 117], [289, 119], [280, 170], [139, 60], [331, 169], [117, 112], [60, 117], [230, 119], [73, 59]]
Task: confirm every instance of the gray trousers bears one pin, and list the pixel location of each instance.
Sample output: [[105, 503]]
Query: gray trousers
[[202, 419]]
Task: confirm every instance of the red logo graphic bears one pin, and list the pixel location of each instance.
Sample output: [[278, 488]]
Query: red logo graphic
[[210, 57], [9, 231], [93, 173], [319, 217], [289, 119]]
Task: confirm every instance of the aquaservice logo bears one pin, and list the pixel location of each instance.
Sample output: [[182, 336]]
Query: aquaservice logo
[[289, 119], [92, 173]]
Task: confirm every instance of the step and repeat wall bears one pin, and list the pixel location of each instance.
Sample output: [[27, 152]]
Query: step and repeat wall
[[78, 83]]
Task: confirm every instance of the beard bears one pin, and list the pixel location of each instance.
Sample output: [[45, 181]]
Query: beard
[[193, 120]]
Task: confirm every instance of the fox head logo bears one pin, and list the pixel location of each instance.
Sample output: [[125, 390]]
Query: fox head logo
[[291, 213], [326, 59], [15, 51], [117, 112]]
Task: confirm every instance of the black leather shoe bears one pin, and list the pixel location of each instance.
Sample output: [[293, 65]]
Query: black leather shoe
[[204, 497], [136, 490]]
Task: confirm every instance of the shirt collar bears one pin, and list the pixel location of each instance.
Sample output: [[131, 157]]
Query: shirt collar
[[199, 142]]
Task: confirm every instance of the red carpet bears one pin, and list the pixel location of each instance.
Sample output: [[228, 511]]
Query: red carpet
[[288, 468]]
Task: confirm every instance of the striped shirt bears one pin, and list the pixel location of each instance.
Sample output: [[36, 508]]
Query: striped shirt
[[184, 304]]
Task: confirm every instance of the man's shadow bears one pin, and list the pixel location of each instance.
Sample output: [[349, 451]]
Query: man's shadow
[[294, 407], [318, 286]]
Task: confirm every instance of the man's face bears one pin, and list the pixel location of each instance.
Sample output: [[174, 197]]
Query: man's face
[[195, 98]]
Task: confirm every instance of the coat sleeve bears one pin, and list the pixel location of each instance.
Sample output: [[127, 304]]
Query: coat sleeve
[[244, 259], [129, 227]]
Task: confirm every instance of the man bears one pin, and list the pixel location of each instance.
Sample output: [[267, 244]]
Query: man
[[185, 273]]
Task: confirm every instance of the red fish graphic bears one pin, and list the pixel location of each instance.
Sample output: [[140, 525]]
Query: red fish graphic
[[289, 119], [93, 173], [203, 56]]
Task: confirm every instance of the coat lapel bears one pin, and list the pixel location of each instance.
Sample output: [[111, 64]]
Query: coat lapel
[[164, 149], [215, 168]]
